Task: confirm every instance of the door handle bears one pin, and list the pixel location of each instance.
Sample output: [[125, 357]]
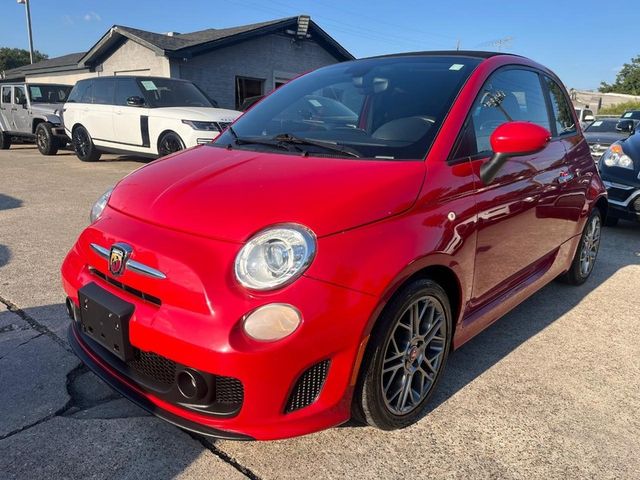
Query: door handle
[[14, 109]]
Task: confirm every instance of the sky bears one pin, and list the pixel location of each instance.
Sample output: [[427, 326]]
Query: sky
[[584, 42]]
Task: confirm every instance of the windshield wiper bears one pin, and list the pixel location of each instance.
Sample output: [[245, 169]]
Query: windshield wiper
[[284, 141], [256, 141], [286, 138]]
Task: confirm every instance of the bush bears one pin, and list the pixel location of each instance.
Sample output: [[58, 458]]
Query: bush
[[620, 108]]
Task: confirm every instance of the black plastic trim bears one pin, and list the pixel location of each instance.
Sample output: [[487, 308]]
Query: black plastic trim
[[144, 130], [119, 386]]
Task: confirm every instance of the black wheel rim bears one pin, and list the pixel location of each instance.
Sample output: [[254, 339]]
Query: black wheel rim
[[413, 355], [41, 139], [81, 142], [170, 144]]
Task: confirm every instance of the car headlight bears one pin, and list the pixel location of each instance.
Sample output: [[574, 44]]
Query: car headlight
[[198, 125], [615, 157], [99, 206], [275, 257]]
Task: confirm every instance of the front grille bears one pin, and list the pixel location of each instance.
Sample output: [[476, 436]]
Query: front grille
[[156, 367], [133, 291], [618, 194], [308, 386], [229, 390], [162, 372]]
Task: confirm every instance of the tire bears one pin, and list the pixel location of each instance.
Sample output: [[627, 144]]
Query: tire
[[45, 139], [382, 399], [83, 145], [5, 141], [611, 221], [169, 143], [587, 251]]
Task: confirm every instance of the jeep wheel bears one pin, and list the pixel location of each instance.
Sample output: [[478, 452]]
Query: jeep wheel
[[45, 139], [5, 141], [83, 145]]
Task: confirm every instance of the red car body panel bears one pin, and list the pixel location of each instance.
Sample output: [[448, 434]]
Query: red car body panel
[[378, 223]]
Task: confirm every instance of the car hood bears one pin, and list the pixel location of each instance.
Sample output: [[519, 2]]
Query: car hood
[[232, 194], [604, 138], [196, 113], [47, 108]]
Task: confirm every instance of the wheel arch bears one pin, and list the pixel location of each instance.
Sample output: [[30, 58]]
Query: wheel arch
[[165, 132], [35, 122], [602, 204]]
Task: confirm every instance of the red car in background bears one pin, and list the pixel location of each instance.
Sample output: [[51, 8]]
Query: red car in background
[[322, 257]]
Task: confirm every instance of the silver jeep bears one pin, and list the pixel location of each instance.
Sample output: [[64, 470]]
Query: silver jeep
[[33, 112]]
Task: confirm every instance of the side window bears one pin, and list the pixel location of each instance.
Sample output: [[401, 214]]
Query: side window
[[86, 95], [125, 88], [103, 91], [562, 111], [6, 95], [20, 96], [508, 95]]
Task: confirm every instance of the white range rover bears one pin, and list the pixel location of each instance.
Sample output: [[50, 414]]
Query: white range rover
[[149, 116]]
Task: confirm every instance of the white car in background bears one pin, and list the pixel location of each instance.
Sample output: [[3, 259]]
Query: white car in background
[[149, 116]]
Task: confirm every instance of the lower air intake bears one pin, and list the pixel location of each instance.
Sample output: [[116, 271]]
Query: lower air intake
[[308, 387]]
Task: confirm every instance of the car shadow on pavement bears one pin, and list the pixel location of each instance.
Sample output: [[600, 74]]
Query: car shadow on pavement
[[622, 245], [5, 255], [7, 202]]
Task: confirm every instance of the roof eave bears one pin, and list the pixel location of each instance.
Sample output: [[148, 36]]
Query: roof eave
[[109, 39]]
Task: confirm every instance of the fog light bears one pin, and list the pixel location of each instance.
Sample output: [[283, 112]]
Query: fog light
[[272, 322]]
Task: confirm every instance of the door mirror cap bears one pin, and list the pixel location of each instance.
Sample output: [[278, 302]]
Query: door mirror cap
[[513, 139], [135, 101], [626, 126]]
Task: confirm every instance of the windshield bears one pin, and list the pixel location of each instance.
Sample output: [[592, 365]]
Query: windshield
[[49, 93], [604, 126], [387, 108], [164, 92]]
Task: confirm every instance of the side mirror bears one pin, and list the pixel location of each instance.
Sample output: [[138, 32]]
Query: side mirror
[[589, 118], [626, 126], [513, 139], [135, 101], [23, 102]]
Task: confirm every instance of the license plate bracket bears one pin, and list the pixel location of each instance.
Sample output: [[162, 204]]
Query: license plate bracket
[[104, 318]]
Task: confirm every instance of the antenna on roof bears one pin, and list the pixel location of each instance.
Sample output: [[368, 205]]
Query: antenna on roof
[[500, 43]]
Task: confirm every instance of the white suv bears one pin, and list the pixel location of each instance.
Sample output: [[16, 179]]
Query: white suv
[[147, 116]]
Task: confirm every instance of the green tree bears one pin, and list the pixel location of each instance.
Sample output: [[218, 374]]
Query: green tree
[[627, 80], [17, 57]]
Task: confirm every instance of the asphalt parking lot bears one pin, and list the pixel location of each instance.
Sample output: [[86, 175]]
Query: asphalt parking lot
[[550, 391]]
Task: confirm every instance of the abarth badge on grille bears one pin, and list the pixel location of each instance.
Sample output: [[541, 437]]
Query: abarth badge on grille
[[118, 257]]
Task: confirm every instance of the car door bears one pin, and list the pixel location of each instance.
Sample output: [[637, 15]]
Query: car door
[[20, 110], [565, 203], [131, 125], [97, 115], [6, 115], [512, 238]]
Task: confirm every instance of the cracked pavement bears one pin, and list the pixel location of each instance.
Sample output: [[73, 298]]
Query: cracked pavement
[[549, 391]]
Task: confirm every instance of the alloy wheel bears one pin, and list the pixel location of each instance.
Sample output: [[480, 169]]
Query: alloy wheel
[[170, 144], [413, 355], [81, 142], [41, 139], [590, 245]]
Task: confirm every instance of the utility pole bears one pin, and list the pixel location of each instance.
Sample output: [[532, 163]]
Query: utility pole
[[26, 4]]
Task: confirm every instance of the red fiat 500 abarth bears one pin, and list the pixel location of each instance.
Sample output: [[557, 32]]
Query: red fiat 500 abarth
[[321, 258]]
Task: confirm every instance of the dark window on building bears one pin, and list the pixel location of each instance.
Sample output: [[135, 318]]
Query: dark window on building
[[247, 88], [6, 94], [562, 113], [103, 91], [126, 88], [508, 95]]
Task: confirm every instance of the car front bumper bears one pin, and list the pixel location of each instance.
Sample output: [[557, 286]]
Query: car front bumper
[[193, 319], [624, 200]]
